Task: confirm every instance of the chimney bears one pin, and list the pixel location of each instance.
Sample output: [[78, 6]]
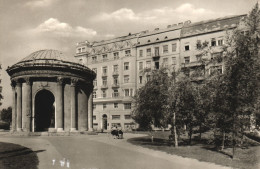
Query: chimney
[[187, 22], [180, 24]]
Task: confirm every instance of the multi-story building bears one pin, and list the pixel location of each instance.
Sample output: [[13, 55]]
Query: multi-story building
[[121, 64], [114, 61]]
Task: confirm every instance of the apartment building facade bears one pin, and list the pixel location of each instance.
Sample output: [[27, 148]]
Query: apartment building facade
[[122, 64]]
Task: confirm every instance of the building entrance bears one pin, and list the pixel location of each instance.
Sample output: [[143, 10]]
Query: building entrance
[[44, 111], [104, 119]]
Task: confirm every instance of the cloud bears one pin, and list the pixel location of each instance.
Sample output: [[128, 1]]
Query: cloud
[[163, 15], [55, 27], [40, 3]]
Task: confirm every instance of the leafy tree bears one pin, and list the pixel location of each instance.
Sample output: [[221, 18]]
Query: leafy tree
[[150, 100], [237, 90], [6, 115]]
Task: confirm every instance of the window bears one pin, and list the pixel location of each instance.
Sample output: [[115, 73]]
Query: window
[[198, 57], [216, 69], [187, 47], [126, 79], [94, 58], [104, 70], [115, 68], [174, 47], [94, 106], [127, 105], [104, 94], [115, 93], [126, 66], [148, 64], [148, 52], [165, 49], [148, 77], [104, 81], [213, 42], [95, 82], [115, 80], [127, 116], [115, 117], [127, 92], [115, 105], [140, 79], [81, 61], [116, 55], [220, 42], [128, 53], [140, 53], [104, 105], [104, 57], [198, 44], [173, 60], [187, 59], [94, 117], [157, 51], [94, 70], [140, 65], [94, 94], [165, 62], [79, 50], [131, 92]]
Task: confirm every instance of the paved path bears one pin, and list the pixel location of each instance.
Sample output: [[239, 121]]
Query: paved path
[[102, 152]]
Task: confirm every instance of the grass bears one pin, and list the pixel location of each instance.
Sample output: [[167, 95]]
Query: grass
[[245, 157], [13, 156]]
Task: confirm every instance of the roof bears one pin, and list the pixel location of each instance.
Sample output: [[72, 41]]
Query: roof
[[52, 60], [48, 54], [211, 25]]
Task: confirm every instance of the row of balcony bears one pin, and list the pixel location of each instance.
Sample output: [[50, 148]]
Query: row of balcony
[[105, 86], [115, 73], [106, 59]]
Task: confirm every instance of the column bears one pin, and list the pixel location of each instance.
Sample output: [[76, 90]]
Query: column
[[59, 105], [28, 111], [13, 107], [19, 106], [73, 104], [90, 111], [82, 99]]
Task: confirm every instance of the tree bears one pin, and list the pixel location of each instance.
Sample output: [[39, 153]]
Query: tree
[[149, 101], [237, 89], [6, 115]]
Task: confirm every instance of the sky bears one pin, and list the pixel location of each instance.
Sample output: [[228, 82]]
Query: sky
[[30, 25]]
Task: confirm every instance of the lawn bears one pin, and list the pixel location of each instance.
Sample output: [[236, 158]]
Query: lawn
[[245, 158], [13, 156]]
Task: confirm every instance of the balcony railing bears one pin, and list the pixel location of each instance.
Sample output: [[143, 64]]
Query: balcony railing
[[192, 64], [115, 94], [115, 85], [104, 86], [115, 73], [104, 74]]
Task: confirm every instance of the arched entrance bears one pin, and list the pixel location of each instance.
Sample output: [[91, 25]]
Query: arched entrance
[[104, 122], [44, 111]]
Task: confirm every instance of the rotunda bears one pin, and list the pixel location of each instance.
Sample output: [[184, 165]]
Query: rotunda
[[51, 92]]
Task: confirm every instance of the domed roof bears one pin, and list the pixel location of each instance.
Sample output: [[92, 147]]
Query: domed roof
[[47, 61], [48, 54]]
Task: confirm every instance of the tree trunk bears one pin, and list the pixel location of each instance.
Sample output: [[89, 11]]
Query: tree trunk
[[190, 134], [223, 140], [200, 130], [174, 130]]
